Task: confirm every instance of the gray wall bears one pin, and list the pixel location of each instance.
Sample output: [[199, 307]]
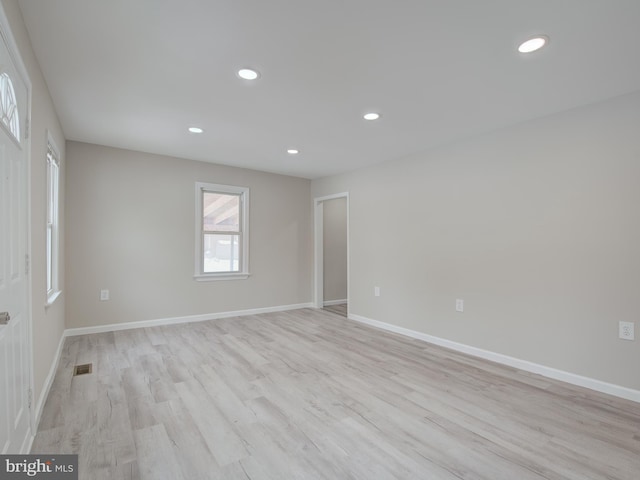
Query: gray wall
[[131, 229], [48, 322], [535, 226], [335, 249]]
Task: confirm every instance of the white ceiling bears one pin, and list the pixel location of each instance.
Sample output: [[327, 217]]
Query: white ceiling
[[136, 73]]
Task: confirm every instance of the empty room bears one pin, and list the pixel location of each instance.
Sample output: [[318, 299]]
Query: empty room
[[364, 239]]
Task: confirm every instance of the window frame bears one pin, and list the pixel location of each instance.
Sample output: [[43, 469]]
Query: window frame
[[243, 244], [52, 222]]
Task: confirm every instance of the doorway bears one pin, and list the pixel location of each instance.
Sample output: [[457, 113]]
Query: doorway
[[332, 253], [15, 316]]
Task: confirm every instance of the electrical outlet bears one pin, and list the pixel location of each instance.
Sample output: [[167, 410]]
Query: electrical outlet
[[376, 291], [104, 295], [459, 305], [626, 330]]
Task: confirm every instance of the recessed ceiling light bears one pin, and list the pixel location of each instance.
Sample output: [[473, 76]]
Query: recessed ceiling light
[[371, 116], [195, 130], [293, 151], [533, 44], [248, 73]]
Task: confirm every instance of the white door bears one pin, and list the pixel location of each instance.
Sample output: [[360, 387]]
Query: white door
[[15, 356]]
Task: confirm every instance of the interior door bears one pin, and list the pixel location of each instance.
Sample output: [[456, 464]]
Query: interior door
[[15, 356]]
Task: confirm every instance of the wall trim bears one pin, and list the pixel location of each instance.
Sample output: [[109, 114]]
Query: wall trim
[[71, 332], [327, 303], [572, 378], [44, 393]]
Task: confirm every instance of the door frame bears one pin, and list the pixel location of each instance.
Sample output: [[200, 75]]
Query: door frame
[[7, 35], [318, 253]]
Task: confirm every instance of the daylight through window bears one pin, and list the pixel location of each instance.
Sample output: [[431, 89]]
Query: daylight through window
[[53, 170], [8, 106], [223, 231]]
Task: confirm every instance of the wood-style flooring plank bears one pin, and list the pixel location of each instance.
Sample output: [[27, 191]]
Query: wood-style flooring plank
[[157, 460]]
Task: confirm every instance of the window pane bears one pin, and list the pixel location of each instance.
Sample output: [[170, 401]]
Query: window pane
[[221, 253], [8, 106], [50, 192], [221, 212], [49, 259], [52, 219]]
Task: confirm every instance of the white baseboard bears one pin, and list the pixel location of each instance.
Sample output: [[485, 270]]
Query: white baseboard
[[26, 443], [579, 380], [334, 302], [44, 393], [70, 332]]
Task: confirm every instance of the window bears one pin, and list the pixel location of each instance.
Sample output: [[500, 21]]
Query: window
[[53, 176], [8, 106], [222, 232]]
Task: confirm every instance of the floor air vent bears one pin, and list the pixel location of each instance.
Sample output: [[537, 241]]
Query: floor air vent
[[82, 369]]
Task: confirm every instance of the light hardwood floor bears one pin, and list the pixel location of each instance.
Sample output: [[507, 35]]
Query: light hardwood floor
[[308, 394]]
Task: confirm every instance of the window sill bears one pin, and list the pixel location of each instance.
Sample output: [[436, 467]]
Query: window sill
[[213, 277], [52, 298]]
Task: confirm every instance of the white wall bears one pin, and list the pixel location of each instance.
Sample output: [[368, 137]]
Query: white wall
[[48, 322], [131, 229], [335, 249], [535, 226]]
